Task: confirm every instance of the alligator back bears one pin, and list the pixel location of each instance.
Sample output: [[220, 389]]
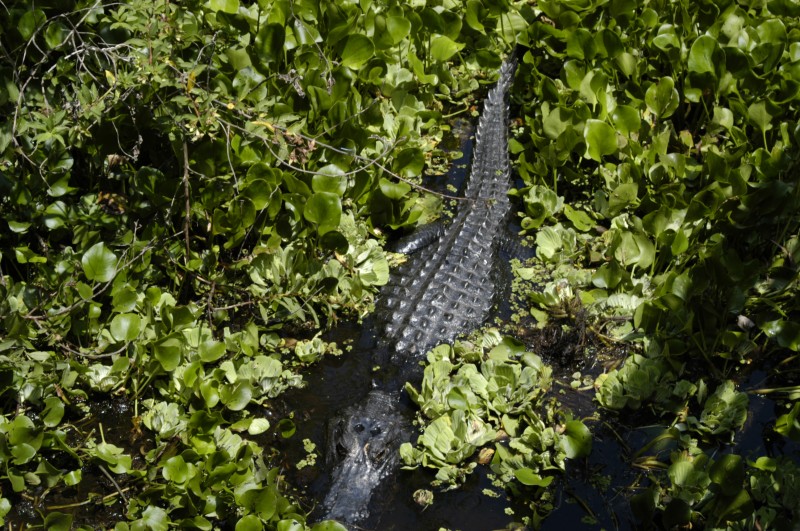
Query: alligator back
[[446, 288]]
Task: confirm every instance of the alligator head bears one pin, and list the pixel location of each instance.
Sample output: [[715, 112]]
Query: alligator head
[[364, 440]]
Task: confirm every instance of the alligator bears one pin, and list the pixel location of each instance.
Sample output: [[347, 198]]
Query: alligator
[[445, 289]]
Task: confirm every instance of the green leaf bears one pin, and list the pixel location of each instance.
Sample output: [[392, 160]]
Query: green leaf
[[409, 162], [577, 439], [56, 521], [287, 428], [393, 190], [258, 426], [29, 22], [626, 119], [55, 34], [443, 48], [53, 411], [473, 15], [176, 470], [260, 192], [330, 178], [168, 353], [580, 219], [226, 6], [527, 476], [601, 139], [624, 196], [250, 522], [99, 263], [211, 350], [19, 227], [269, 43], [398, 28], [788, 424], [73, 477], [357, 51], [760, 116], [236, 397], [729, 474], [155, 519], [705, 55], [125, 326], [661, 98], [325, 210]]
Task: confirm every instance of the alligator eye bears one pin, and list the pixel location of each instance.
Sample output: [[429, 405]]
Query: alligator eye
[[375, 431], [358, 428]]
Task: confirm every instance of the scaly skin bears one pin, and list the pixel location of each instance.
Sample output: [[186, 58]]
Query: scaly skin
[[444, 290]]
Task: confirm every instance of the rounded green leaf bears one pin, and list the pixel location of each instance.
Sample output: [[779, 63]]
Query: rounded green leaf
[[357, 51], [56, 521], [334, 241], [168, 353], [325, 210], [155, 519], [287, 428], [53, 411], [409, 162], [728, 473], [577, 439], [99, 263], [626, 119], [22, 453], [398, 28], [175, 470], [125, 326], [226, 6], [236, 397], [258, 426], [30, 21], [704, 57], [393, 190], [55, 34], [211, 350], [443, 48], [473, 15], [260, 192], [760, 115], [250, 522], [73, 477], [330, 178], [662, 98], [601, 139]]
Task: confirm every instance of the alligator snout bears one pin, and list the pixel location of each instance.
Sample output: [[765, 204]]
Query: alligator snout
[[364, 440]]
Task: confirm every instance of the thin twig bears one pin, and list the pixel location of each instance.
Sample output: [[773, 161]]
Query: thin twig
[[111, 479]]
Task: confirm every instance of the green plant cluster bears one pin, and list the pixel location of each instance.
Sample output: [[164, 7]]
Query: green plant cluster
[[187, 188], [659, 151], [489, 389]]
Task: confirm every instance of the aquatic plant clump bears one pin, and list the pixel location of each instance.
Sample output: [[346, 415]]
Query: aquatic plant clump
[[485, 400]]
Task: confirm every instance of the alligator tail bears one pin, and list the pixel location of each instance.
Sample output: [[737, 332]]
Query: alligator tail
[[446, 288]]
